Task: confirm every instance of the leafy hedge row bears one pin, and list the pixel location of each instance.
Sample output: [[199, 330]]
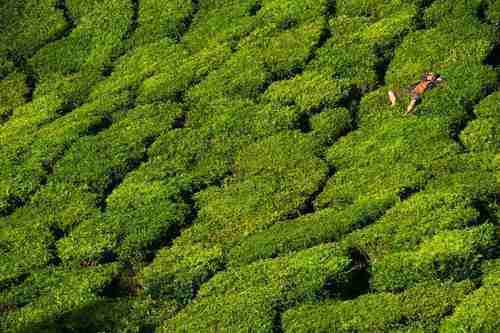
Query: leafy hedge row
[[479, 310], [37, 135], [82, 177], [160, 19], [482, 133], [326, 225], [250, 298], [259, 85], [450, 204], [49, 294], [29, 25], [418, 309], [272, 179], [88, 48], [454, 254], [13, 90]]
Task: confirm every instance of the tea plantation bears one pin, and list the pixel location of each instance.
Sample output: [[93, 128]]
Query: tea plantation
[[236, 166]]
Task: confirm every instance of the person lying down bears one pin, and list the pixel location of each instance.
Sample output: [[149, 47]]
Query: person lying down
[[428, 81]]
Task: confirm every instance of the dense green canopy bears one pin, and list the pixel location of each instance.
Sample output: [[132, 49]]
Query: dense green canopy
[[236, 166]]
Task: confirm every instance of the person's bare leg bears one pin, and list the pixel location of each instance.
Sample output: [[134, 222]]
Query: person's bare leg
[[392, 97], [411, 106]]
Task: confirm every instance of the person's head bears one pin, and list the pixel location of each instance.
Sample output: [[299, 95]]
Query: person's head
[[431, 76]]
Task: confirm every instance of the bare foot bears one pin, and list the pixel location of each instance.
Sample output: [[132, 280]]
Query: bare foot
[[392, 97]]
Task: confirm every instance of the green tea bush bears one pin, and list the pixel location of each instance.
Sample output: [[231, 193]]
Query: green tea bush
[[13, 90], [312, 269], [95, 39], [29, 25], [79, 9], [286, 14], [138, 216], [481, 134], [454, 254], [177, 77], [329, 125], [220, 21], [97, 161], [94, 163], [16, 257], [373, 9], [205, 149], [479, 311], [50, 294], [385, 159], [160, 19], [448, 205], [58, 205], [37, 153], [15, 138], [326, 225], [138, 64], [308, 92], [6, 66], [122, 315], [264, 56], [493, 12], [418, 309], [261, 289], [178, 271], [272, 179], [441, 11]]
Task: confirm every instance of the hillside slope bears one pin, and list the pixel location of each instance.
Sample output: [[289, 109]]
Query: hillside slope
[[235, 166]]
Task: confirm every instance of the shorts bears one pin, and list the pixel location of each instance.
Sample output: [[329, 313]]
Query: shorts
[[416, 97]]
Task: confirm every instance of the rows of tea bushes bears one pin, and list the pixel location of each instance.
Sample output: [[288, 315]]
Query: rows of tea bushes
[[235, 166], [250, 298], [28, 25], [80, 180]]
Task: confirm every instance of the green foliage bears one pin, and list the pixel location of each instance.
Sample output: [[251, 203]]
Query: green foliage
[[448, 205], [34, 146], [441, 11], [418, 309], [6, 66], [482, 133], [326, 225], [221, 21], [493, 12], [362, 159], [176, 77], [272, 179], [454, 254], [264, 56], [308, 92], [28, 25], [248, 298], [186, 166], [12, 90], [329, 125], [160, 19], [48, 295], [479, 311], [178, 271], [138, 64], [17, 258], [94, 40], [139, 215], [373, 9]]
